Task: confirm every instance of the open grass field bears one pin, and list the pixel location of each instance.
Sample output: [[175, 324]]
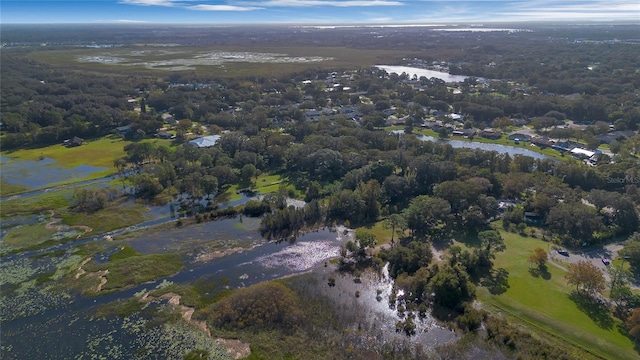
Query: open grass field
[[146, 59], [264, 184], [101, 152], [544, 303]]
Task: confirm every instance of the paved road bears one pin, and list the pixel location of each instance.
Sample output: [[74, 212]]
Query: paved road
[[595, 256]]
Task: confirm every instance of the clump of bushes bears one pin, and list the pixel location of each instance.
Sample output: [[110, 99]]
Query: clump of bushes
[[263, 306]]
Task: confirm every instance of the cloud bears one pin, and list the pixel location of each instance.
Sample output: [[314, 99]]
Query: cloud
[[129, 21], [168, 3], [259, 4], [204, 7], [333, 3], [573, 10]]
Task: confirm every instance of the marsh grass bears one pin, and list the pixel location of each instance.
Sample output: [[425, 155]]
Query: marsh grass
[[27, 236], [108, 219], [136, 270], [36, 204], [7, 189], [342, 57]]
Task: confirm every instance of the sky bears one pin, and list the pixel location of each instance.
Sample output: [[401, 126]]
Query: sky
[[316, 12]]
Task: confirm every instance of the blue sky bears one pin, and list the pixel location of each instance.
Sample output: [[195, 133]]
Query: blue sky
[[314, 12]]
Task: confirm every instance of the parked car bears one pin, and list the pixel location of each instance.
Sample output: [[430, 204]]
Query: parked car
[[563, 252], [606, 261]]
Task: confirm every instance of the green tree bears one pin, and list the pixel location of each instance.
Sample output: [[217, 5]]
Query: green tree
[[426, 215], [451, 286], [247, 173], [394, 222], [631, 251], [209, 184], [574, 221], [365, 240]]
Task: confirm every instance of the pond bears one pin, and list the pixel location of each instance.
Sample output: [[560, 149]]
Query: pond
[[419, 72], [502, 149], [42, 173]]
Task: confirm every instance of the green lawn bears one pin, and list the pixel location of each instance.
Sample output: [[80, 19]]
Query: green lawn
[[264, 184], [101, 152], [383, 236], [545, 303]]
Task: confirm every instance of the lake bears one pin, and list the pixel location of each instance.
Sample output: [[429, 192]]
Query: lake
[[503, 149], [411, 71]]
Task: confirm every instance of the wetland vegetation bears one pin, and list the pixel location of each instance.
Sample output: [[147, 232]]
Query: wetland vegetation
[[319, 224]]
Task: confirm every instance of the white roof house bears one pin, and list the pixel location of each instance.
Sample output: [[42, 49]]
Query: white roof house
[[205, 141], [579, 152]]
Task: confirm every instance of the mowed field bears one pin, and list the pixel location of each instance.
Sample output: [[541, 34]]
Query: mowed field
[[544, 303], [220, 61], [100, 152]]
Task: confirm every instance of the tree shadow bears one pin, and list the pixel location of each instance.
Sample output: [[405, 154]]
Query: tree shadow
[[496, 281], [594, 308], [540, 271]]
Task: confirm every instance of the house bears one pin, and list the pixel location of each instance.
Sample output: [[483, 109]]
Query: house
[[75, 141], [520, 137], [581, 153], [541, 142], [532, 217], [163, 134], [490, 134], [205, 141], [168, 118], [615, 136], [518, 121], [464, 132], [124, 130]]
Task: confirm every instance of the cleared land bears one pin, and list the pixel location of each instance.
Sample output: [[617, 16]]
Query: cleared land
[[544, 303]]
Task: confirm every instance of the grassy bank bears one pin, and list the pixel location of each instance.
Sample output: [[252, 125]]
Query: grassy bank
[[7, 189], [544, 303], [36, 204], [108, 219]]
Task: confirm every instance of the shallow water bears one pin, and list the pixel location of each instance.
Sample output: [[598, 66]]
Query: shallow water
[[41, 173], [378, 312]]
